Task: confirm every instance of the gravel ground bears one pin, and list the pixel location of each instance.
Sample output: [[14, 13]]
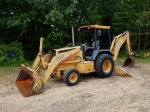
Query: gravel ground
[[92, 94]]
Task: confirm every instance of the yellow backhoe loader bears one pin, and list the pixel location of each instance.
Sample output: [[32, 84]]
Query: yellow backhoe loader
[[69, 62]]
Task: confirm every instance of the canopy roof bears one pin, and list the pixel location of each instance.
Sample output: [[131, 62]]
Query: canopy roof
[[89, 28]]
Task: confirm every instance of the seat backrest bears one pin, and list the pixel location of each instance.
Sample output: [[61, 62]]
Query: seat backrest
[[97, 44]]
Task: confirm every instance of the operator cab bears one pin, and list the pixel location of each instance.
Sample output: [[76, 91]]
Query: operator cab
[[94, 39]]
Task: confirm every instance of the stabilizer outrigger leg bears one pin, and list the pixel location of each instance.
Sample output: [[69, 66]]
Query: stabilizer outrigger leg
[[121, 72]]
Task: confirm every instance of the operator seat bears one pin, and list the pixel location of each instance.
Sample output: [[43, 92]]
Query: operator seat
[[97, 44], [88, 51]]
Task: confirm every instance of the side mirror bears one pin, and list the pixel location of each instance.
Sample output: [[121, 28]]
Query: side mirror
[[98, 33]]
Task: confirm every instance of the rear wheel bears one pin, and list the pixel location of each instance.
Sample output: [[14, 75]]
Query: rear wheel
[[104, 65], [71, 77]]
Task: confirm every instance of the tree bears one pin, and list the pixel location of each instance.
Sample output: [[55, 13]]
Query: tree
[[27, 21]]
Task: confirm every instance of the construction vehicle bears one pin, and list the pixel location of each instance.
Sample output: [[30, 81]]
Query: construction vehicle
[[69, 62]]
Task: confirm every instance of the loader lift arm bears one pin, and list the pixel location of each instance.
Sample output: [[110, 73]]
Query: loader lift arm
[[29, 81]]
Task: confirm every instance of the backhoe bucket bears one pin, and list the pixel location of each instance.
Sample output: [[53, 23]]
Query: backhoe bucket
[[129, 62], [29, 82]]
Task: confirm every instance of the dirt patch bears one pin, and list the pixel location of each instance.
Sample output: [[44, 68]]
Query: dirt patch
[[92, 94]]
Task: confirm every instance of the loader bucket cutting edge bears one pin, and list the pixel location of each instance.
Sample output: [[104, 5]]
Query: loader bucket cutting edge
[[129, 62], [27, 84]]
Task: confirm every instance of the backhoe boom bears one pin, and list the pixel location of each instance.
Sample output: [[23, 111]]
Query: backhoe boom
[[117, 43]]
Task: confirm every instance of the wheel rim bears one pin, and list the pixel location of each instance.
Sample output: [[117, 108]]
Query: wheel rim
[[107, 66], [73, 77]]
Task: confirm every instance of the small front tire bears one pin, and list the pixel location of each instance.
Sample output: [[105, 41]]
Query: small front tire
[[71, 77]]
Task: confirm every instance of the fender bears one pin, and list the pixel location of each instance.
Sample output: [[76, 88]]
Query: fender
[[97, 52]]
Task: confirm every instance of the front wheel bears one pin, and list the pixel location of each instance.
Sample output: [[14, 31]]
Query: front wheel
[[71, 77], [104, 65]]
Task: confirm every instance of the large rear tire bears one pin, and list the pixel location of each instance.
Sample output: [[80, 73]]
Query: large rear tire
[[104, 65], [71, 77]]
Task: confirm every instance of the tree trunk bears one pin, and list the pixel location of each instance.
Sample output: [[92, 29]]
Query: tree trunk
[[146, 40], [139, 39]]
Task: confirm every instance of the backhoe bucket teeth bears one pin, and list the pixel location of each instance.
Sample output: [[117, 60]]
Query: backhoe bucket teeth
[[29, 82], [129, 62]]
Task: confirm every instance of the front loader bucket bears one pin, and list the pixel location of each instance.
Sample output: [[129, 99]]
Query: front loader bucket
[[129, 62], [29, 82]]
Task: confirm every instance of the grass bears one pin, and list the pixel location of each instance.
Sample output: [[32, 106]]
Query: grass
[[120, 60], [139, 56], [9, 70], [143, 60], [12, 68]]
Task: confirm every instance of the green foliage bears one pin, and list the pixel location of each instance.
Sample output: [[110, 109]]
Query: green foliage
[[28, 20], [15, 57]]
